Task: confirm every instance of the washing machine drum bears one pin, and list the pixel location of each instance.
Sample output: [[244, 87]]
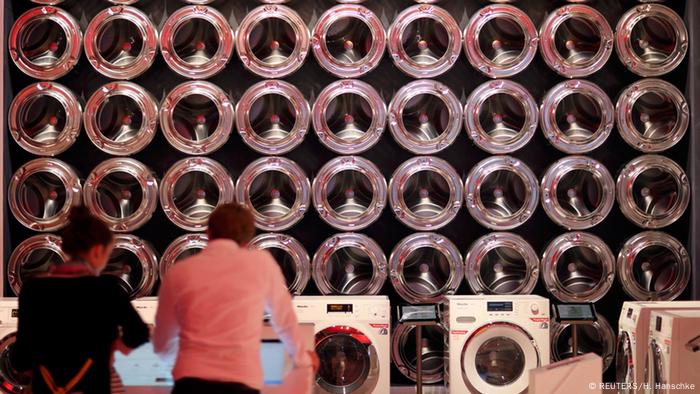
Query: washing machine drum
[[349, 361], [11, 381], [497, 358], [654, 373]]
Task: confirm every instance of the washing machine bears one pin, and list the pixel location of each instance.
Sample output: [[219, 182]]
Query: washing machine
[[494, 342], [11, 381], [673, 352], [632, 340], [352, 340]]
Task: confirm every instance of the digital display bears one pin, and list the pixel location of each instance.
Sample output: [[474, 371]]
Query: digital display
[[629, 312], [575, 312], [418, 313], [506, 306], [658, 323], [339, 308], [15, 312], [272, 361]]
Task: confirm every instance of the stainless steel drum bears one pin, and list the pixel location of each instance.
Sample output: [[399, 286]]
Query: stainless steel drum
[[425, 193], [500, 40], [291, 256], [277, 190], [653, 266], [272, 41], [577, 192], [121, 42], [502, 263], [34, 256], [348, 40], [425, 267], [184, 246], [191, 190], [576, 40], [349, 116], [42, 192], [425, 117], [349, 264], [45, 42], [651, 40], [44, 118], [424, 41], [11, 380], [652, 115], [196, 41], [121, 118], [653, 191], [349, 193], [403, 351], [501, 192], [197, 117], [576, 116], [122, 192], [134, 263], [598, 338], [501, 116], [578, 267], [273, 117]]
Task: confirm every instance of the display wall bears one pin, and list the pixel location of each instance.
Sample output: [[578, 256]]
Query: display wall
[[351, 272]]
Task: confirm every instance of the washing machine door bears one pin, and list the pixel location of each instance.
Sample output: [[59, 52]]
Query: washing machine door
[[349, 362], [654, 368], [497, 358], [624, 361], [11, 381]]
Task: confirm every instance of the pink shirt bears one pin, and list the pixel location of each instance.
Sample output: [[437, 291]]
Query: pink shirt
[[212, 304]]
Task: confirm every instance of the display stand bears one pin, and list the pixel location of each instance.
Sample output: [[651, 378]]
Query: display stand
[[574, 315], [418, 316]]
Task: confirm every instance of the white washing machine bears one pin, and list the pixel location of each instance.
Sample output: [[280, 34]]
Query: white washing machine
[[11, 382], [633, 338], [674, 352], [352, 341], [494, 342], [142, 367]]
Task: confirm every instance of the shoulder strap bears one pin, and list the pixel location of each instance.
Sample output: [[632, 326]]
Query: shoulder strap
[[51, 384]]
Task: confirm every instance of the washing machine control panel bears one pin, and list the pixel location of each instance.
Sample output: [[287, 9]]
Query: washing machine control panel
[[343, 311], [8, 315]]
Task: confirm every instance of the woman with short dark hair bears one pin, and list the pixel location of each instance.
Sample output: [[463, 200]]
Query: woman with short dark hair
[[71, 318]]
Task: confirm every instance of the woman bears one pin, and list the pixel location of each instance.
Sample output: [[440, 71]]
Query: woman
[[70, 319]]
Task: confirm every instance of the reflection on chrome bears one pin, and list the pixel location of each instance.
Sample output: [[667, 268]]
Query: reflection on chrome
[[349, 116], [425, 193], [34, 256], [652, 115], [403, 351], [182, 247], [42, 192], [44, 118], [348, 40], [134, 263], [576, 116], [501, 116], [197, 117], [651, 40], [122, 192], [196, 41], [578, 267], [349, 193], [501, 192], [576, 40], [192, 188], [424, 41], [45, 42], [502, 263], [290, 255], [425, 267], [500, 41], [121, 42], [425, 117], [598, 338], [121, 118], [653, 266], [272, 41], [653, 191], [277, 190], [577, 192], [273, 117], [349, 264]]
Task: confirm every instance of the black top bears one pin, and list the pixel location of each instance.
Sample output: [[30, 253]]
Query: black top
[[64, 321]]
